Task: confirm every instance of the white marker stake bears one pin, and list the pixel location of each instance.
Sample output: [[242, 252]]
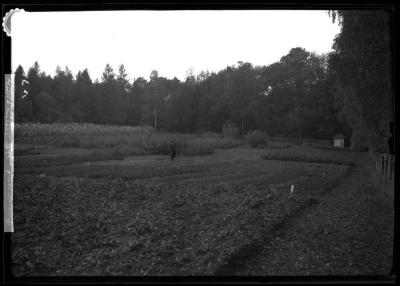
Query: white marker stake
[[291, 190]]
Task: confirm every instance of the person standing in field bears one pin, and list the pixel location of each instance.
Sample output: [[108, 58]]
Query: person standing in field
[[172, 150]]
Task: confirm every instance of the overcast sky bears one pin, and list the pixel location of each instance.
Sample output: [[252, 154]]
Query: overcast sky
[[171, 42]]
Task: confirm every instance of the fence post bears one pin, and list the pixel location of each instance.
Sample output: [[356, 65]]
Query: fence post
[[385, 165], [388, 163], [378, 157], [377, 161], [394, 166], [380, 163], [391, 167]]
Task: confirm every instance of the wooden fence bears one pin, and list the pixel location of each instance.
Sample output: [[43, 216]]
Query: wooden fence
[[300, 141], [384, 163]]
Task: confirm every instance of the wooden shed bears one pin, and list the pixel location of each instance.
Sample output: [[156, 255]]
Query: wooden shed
[[338, 140]]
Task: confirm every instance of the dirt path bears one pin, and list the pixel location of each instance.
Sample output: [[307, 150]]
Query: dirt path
[[349, 231]]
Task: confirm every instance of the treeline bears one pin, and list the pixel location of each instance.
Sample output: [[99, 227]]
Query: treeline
[[293, 97]]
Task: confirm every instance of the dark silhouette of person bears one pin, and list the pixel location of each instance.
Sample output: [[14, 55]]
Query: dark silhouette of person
[[172, 150], [391, 138]]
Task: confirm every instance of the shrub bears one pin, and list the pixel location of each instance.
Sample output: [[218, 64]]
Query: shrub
[[197, 148], [210, 135], [226, 143], [257, 138], [279, 145], [229, 129], [382, 149], [162, 149], [333, 148], [310, 155], [94, 136]]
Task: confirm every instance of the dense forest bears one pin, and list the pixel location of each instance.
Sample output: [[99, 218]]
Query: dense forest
[[292, 97], [303, 95]]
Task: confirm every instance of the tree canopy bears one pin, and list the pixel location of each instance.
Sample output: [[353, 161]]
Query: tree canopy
[[292, 97], [361, 65]]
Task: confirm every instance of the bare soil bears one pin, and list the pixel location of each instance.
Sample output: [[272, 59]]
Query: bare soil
[[229, 213]]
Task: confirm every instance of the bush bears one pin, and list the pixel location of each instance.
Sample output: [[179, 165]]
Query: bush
[[333, 148], [257, 138], [193, 147], [210, 135], [229, 129], [279, 145], [94, 136], [226, 143], [310, 155], [197, 148], [162, 149]]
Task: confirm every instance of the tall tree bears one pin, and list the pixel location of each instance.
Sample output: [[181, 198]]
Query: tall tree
[[83, 98], [109, 100], [34, 89], [62, 91], [135, 101], [362, 65], [108, 73], [122, 78]]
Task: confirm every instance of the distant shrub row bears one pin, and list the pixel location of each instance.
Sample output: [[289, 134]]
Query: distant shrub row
[[127, 139], [310, 155], [257, 139]]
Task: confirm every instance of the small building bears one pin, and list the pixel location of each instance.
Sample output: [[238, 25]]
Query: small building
[[338, 140]]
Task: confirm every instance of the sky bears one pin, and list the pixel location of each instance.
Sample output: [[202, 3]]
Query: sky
[[171, 42]]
